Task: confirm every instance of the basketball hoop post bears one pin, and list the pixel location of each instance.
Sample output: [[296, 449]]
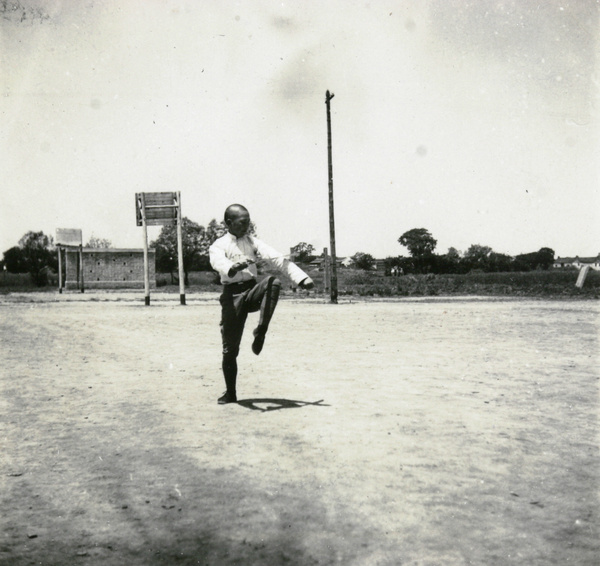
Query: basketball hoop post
[[160, 209], [180, 251], [70, 239], [60, 282], [81, 266], [145, 235]]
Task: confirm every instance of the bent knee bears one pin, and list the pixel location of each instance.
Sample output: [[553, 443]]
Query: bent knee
[[230, 353]]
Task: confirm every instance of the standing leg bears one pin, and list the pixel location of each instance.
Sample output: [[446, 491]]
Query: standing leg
[[264, 297], [232, 328], [230, 374]]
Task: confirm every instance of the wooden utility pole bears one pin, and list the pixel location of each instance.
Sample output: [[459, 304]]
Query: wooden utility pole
[[334, 288], [326, 270]]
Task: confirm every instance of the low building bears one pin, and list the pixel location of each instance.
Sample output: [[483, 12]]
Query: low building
[[108, 268], [318, 263], [577, 262]]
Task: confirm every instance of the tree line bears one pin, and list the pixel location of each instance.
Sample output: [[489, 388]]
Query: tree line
[[422, 259], [36, 254]]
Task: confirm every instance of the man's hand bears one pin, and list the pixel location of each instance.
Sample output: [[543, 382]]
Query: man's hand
[[306, 284], [239, 266]]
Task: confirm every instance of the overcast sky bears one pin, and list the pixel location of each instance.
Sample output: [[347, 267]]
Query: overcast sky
[[477, 120]]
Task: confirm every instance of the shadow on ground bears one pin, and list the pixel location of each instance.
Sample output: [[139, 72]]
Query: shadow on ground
[[268, 404]]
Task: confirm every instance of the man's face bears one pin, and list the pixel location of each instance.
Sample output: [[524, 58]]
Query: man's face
[[238, 225]]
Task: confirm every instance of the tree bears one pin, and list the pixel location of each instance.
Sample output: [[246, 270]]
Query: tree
[[418, 241], [193, 242], [450, 262], [363, 261], [39, 254], [392, 265], [545, 258], [477, 257], [499, 262], [453, 255], [542, 259], [215, 230], [406, 265], [303, 252], [15, 261], [95, 242]]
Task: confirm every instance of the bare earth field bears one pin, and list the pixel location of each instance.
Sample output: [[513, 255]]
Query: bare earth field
[[416, 432]]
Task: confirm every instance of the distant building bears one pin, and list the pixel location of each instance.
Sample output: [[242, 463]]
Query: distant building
[[108, 268], [577, 262], [317, 263]]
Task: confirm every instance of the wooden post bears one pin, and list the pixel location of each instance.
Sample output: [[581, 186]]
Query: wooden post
[[326, 270], [334, 289], [81, 266], [60, 281], [145, 230], [582, 275], [180, 252]]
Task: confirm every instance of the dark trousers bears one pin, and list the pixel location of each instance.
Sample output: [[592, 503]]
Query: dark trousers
[[237, 300]]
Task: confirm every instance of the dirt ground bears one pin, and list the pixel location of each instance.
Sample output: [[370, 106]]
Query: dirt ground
[[415, 432]]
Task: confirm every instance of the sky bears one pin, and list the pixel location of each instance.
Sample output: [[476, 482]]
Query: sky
[[477, 120]]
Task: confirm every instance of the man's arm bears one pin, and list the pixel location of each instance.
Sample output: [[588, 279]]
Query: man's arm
[[219, 261], [282, 263]]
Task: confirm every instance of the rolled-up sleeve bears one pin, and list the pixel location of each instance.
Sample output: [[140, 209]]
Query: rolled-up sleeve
[[279, 261]]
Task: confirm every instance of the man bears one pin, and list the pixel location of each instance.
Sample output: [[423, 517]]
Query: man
[[234, 256]]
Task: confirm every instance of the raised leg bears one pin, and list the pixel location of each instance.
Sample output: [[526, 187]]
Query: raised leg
[[268, 295]]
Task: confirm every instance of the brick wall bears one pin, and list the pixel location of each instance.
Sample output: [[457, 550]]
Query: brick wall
[[109, 268]]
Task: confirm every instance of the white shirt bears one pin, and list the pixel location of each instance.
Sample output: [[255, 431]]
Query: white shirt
[[228, 250]]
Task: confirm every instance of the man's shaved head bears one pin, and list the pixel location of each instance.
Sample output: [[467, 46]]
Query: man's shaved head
[[237, 219], [233, 211]]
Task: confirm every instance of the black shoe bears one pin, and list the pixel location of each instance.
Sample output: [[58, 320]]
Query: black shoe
[[227, 398], [259, 340]]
